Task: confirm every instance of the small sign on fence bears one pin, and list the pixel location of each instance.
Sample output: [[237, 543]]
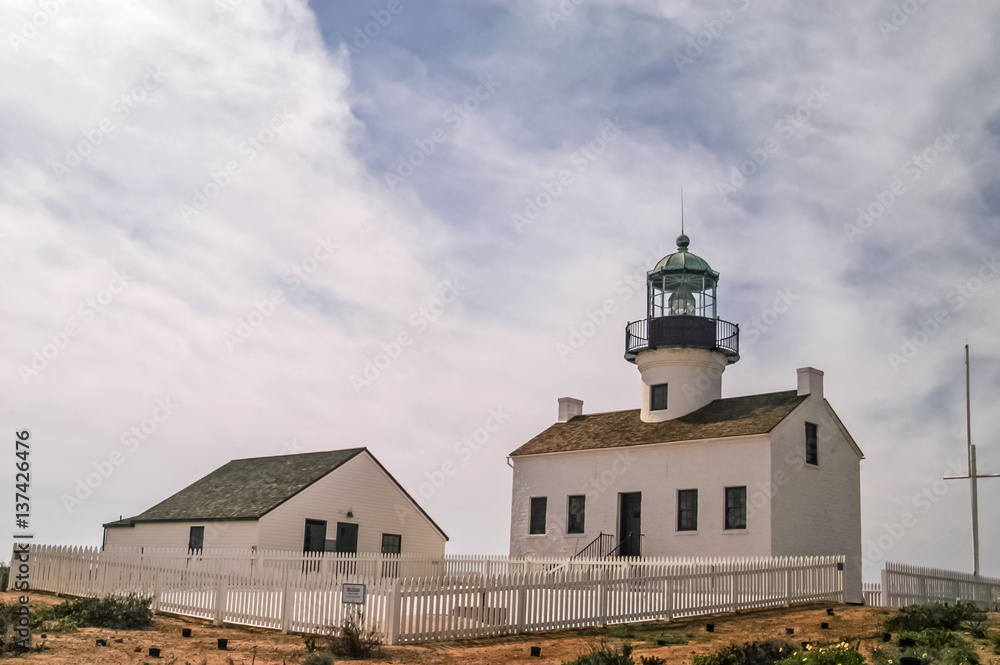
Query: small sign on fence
[[354, 594]]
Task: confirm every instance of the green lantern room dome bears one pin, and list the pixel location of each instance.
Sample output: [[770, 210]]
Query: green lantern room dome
[[684, 261]]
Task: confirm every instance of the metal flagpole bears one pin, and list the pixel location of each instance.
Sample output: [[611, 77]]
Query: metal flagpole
[[974, 475]]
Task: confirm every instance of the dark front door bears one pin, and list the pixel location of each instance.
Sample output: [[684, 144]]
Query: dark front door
[[315, 540], [629, 527], [347, 537]]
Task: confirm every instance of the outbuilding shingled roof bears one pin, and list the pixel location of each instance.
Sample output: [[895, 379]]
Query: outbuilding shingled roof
[[245, 489], [734, 416]]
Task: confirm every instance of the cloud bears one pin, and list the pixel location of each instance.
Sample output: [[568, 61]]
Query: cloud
[[235, 172]]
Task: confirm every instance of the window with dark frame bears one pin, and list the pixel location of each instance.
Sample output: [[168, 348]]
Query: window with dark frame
[[736, 507], [537, 525], [196, 538], [658, 397], [577, 511], [687, 510], [812, 444], [392, 543]]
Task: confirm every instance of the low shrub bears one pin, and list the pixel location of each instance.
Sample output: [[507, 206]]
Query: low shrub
[[838, 654], [934, 645], [128, 612], [318, 658], [352, 639], [915, 618], [671, 639], [652, 660], [603, 653], [8, 622], [995, 641], [748, 653]]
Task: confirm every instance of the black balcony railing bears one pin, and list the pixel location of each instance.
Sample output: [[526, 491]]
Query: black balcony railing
[[695, 332]]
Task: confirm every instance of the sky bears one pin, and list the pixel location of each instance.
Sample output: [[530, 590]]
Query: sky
[[258, 227]]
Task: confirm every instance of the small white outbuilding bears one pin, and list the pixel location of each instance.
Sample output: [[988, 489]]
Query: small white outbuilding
[[690, 473], [340, 500]]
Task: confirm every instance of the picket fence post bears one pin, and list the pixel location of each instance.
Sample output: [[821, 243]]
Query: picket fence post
[[287, 603], [155, 606], [669, 600], [220, 600], [395, 610], [788, 586], [602, 611], [887, 595], [522, 601]]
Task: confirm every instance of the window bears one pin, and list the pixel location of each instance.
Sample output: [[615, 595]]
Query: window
[[577, 508], [392, 543], [658, 397], [196, 539], [736, 507], [812, 448], [537, 515], [687, 510]]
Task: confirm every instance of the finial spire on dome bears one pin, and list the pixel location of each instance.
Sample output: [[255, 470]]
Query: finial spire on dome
[[682, 211]]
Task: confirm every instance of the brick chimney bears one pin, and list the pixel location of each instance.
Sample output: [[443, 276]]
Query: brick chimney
[[569, 407]]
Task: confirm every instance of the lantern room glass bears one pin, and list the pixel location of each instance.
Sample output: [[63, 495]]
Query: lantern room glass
[[681, 294]]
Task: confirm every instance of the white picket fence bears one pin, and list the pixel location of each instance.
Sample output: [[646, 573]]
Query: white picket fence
[[903, 585], [466, 596]]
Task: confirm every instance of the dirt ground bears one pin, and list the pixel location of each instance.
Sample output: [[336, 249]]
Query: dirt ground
[[265, 647]]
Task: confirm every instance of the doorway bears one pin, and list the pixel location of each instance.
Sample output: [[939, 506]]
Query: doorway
[[630, 523]]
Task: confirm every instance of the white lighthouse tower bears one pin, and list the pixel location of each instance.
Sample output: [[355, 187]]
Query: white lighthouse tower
[[682, 347]]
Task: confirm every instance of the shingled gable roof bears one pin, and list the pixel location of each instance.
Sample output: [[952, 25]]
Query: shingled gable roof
[[733, 416], [247, 489]]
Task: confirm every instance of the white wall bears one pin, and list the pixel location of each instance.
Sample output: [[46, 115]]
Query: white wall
[[222, 535], [376, 502], [693, 378], [658, 471], [816, 509]]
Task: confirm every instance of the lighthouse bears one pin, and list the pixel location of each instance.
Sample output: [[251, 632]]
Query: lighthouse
[[682, 347]]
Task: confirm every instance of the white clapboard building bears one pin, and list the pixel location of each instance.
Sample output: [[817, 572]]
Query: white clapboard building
[[339, 501], [690, 473]]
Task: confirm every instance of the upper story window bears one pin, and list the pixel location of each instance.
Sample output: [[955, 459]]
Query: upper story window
[[658, 397], [538, 504], [812, 444]]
